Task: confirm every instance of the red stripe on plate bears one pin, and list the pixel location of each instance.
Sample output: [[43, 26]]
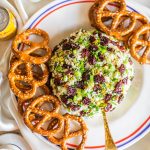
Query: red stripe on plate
[[60, 8], [133, 133]]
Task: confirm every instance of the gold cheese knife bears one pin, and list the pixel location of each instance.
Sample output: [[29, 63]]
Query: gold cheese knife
[[109, 142]]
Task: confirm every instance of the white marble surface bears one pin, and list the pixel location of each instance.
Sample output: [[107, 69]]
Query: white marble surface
[[31, 8]]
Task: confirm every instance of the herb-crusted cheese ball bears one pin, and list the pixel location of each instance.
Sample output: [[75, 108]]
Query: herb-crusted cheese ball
[[90, 70]]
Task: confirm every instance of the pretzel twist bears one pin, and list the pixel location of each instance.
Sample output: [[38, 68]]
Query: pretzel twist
[[25, 55], [35, 117], [67, 134], [23, 104], [15, 78], [137, 43], [35, 110], [99, 12]]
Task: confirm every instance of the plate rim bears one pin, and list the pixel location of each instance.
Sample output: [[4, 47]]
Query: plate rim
[[36, 17]]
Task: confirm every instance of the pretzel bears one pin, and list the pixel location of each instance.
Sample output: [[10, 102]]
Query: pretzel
[[23, 104], [13, 59], [18, 70], [24, 84], [101, 13], [28, 54], [35, 116], [117, 28], [92, 13], [137, 43], [67, 134]]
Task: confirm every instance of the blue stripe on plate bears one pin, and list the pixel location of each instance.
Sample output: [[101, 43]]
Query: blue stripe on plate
[[48, 10], [135, 137]]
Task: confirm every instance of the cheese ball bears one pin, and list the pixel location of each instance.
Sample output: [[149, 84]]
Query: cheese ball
[[90, 71]]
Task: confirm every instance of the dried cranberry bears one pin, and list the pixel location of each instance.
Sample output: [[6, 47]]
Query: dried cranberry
[[75, 46], [96, 78], [66, 46], [70, 45], [110, 49], [55, 65], [82, 113], [71, 91], [56, 48], [80, 84], [122, 48], [101, 57], [100, 35], [85, 53], [91, 60], [70, 97], [92, 39], [66, 66], [93, 47], [77, 32], [72, 37], [95, 32], [118, 87], [50, 88], [69, 72], [97, 87], [125, 80], [108, 107], [57, 81], [85, 76], [50, 75], [130, 61], [120, 98], [86, 101], [74, 107], [114, 43], [122, 68], [104, 41], [108, 97], [99, 79], [71, 55], [64, 99]]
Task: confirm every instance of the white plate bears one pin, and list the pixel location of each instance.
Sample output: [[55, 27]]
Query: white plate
[[131, 120]]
